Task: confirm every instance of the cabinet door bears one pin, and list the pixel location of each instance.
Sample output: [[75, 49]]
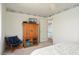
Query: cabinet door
[[36, 30], [24, 30], [32, 30], [27, 30]]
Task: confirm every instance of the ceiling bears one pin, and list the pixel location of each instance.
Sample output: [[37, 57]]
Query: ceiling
[[39, 9]]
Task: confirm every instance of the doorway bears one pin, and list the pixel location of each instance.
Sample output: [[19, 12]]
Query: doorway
[[50, 29]]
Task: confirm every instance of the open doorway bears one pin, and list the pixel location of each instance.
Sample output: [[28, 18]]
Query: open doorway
[[50, 29]]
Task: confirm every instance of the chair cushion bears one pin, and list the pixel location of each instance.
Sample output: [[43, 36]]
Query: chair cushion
[[14, 40]]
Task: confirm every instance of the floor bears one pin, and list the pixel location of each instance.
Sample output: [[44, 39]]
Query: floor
[[27, 51]]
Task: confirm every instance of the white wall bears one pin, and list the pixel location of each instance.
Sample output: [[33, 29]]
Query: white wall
[[14, 25], [0, 30], [66, 26], [43, 29], [3, 17]]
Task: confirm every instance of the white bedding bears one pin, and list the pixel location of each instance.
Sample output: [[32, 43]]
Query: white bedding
[[58, 49], [68, 48], [45, 51]]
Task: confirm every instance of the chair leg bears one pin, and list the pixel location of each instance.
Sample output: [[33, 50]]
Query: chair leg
[[20, 46], [12, 48]]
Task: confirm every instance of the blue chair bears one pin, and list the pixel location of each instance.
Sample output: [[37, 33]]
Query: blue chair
[[13, 41]]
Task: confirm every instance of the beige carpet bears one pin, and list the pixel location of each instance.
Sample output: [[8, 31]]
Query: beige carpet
[[27, 51]]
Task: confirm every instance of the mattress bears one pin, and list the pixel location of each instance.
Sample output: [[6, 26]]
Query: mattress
[[45, 51], [67, 48], [58, 49]]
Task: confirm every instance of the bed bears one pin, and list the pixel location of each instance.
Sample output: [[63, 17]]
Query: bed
[[58, 49]]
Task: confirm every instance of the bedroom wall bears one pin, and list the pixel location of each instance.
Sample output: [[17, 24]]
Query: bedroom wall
[[3, 17], [66, 26], [14, 25], [0, 31]]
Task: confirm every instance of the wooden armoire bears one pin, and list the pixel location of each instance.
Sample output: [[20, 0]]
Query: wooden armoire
[[30, 33]]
